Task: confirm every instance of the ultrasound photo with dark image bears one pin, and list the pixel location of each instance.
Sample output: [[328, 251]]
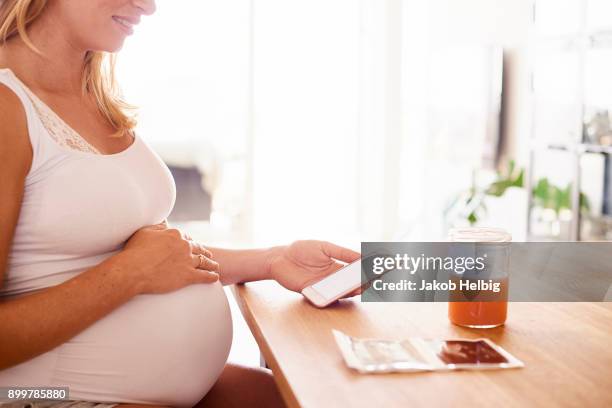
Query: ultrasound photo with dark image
[[469, 352]]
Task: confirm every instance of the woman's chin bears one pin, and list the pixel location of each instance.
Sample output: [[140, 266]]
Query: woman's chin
[[111, 46]]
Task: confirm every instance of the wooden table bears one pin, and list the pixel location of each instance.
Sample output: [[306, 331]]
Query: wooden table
[[566, 348]]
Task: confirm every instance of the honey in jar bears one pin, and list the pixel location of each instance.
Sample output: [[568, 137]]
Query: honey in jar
[[481, 308]]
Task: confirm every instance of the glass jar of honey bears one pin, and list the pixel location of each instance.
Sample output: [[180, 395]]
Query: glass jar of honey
[[480, 297]]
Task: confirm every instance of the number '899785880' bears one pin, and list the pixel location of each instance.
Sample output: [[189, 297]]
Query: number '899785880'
[[34, 393]]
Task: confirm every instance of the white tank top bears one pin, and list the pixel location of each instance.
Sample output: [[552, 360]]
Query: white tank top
[[78, 209]]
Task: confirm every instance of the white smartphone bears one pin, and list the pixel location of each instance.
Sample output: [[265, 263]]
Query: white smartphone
[[335, 286]]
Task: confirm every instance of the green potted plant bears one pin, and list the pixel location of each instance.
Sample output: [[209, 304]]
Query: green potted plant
[[552, 203]]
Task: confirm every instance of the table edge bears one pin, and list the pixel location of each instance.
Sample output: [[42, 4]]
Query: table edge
[[264, 347]]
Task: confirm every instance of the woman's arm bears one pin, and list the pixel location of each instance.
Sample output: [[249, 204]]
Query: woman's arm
[[245, 265], [294, 266], [37, 323]]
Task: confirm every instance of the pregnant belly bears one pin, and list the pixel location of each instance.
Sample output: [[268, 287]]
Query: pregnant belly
[[156, 349]]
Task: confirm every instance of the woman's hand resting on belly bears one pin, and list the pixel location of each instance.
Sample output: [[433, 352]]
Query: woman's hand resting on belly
[[156, 259], [165, 260]]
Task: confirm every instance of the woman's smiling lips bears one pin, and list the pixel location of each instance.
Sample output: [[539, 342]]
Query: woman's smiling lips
[[126, 23]]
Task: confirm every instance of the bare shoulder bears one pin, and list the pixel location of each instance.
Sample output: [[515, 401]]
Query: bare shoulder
[[15, 147], [16, 159], [10, 105]]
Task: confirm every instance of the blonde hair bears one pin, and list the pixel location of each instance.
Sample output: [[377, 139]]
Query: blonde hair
[[98, 67]]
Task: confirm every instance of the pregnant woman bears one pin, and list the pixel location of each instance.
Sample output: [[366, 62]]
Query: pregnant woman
[[97, 292]]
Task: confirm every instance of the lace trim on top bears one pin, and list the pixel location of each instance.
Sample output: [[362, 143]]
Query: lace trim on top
[[59, 130]]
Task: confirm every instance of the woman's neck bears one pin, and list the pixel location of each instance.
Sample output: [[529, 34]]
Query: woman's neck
[[58, 70]]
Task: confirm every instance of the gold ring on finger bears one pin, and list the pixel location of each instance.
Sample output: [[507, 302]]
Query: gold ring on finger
[[201, 258]]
